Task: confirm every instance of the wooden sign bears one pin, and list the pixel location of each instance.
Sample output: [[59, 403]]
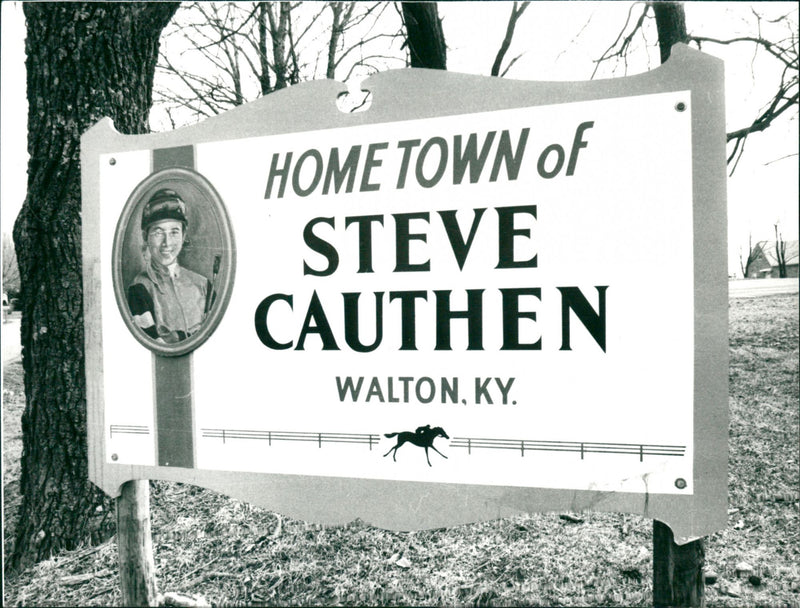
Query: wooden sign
[[476, 298]]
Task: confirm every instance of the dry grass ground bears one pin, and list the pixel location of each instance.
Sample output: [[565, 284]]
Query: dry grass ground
[[233, 554]]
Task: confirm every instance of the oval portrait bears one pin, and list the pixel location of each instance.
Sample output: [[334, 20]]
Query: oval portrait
[[173, 261]]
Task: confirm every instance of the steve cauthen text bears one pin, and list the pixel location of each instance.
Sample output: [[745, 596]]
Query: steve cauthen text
[[360, 168], [404, 307]]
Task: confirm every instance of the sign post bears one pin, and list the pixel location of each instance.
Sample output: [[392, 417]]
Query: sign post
[[137, 573], [478, 292], [678, 578]]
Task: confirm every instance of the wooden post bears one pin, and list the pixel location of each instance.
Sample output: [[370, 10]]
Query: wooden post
[[677, 570], [136, 565]]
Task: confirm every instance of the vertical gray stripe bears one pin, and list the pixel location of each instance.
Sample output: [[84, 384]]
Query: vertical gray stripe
[[173, 375], [174, 421], [182, 156]]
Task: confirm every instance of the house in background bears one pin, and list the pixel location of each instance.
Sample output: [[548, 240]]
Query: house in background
[[765, 260]]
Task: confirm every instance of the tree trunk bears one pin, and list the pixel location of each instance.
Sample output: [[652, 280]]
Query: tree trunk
[[780, 253], [425, 36], [333, 41], [750, 257], [278, 30], [84, 61], [671, 26], [263, 76]]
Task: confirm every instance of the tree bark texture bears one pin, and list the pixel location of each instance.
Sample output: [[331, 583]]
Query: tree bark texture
[[425, 36], [671, 26], [84, 61]]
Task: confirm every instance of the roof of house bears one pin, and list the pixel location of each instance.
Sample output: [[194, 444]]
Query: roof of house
[[768, 250]]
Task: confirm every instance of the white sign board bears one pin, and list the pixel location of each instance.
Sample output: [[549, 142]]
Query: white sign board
[[494, 296]]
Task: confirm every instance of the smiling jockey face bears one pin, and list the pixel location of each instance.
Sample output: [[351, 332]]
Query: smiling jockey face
[[164, 226], [165, 241]]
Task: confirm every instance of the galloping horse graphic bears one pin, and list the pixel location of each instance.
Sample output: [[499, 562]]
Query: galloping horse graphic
[[423, 437]]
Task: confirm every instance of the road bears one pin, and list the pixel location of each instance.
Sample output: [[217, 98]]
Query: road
[[752, 288], [10, 340]]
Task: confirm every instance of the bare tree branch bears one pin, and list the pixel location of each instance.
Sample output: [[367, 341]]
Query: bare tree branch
[[767, 117], [11, 280], [671, 25], [784, 157], [511, 63], [780, 253], [226, 32], [623, 41], [785, 98], [363, 42], [751, 256], [218, 55], [783, 54], [516, 13]]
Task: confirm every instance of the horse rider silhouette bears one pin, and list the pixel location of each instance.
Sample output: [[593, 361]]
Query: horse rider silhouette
[[423, 437]]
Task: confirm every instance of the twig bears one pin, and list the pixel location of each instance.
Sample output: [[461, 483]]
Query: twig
[[781, 158], [196, 580], [79, 579], [83, 553]]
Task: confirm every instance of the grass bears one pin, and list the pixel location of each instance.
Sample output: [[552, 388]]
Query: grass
[[13, 404], [217, 549]]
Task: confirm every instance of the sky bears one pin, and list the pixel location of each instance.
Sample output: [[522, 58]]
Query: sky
[[559, 40]]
